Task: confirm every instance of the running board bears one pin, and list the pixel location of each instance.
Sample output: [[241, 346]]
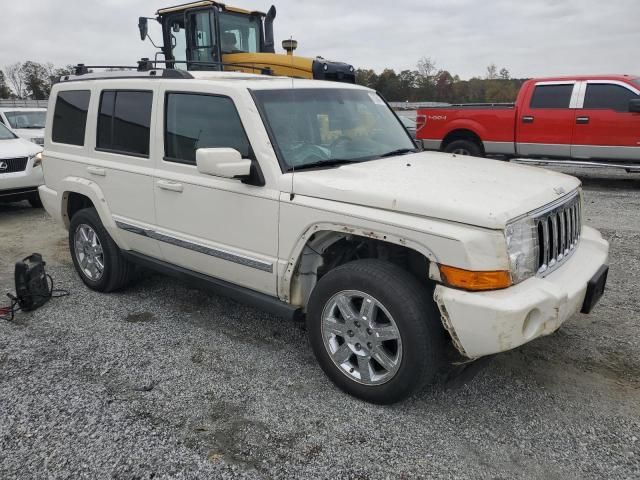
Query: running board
[[634, 168], [199, 280]]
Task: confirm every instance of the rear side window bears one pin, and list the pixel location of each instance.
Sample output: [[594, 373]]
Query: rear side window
[[608, 96], [70, 117], [199, 121], [124, 121], [551, 96]]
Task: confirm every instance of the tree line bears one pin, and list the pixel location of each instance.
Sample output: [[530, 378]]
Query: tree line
[[29, 79], [427, 83]]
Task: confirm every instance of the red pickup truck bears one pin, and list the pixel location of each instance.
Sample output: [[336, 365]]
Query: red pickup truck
[[576, 118]]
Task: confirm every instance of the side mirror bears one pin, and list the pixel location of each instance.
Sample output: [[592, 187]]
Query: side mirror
[[222, 162], [143, 26], [634, 105]]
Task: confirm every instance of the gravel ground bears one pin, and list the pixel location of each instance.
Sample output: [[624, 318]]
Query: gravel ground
[[163, 381]]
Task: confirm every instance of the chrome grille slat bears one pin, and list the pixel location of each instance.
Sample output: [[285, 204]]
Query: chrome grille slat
[[558, 230], [12, 165]]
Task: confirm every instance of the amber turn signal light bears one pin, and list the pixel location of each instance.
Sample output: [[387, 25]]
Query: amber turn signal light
[[475, 281]]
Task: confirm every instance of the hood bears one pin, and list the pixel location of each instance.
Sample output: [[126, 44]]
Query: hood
[[18, 147], [475, 191]]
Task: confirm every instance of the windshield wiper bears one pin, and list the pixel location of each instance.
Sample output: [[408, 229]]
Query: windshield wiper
[[323, 163], [399, 151]]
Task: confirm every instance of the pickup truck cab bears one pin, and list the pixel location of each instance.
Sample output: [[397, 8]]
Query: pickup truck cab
[[309, 199], [578, 118]]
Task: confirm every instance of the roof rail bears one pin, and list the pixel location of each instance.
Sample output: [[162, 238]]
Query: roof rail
[[147, 68]]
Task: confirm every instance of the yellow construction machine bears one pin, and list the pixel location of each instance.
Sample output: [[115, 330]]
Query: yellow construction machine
[[208, 35]]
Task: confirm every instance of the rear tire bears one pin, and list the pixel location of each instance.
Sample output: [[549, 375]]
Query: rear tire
[[97, 258], [465, 148], [349, 347], [34, 200]]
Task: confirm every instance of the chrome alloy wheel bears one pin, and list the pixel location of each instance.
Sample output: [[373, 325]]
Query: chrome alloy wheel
[[361, 337], [88, 250]]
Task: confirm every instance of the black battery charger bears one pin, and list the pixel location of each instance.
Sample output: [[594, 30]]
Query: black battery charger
[[34, 287]]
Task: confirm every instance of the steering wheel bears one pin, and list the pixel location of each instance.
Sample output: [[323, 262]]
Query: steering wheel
[[307, 153], [339, 140]]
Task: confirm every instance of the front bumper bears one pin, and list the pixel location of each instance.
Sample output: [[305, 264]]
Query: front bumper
[[30, 178], [484, 323]]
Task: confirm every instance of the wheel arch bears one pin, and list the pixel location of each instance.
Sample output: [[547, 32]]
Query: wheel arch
[[462, 134], [81, 193], [316, 252]]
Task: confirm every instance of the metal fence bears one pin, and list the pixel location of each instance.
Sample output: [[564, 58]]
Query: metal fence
[[416, 105], [23, 103]]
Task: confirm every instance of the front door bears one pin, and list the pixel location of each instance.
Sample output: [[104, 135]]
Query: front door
[[217, 226], [544, 127], [605, 129]]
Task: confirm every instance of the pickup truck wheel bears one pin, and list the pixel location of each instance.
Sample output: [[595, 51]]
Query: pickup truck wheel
[[95, 255], [464, 147], [375, 331]]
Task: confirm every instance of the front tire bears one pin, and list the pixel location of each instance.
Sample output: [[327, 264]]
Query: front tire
[[34, 200], [95, 255], [465, 148], [375, 331]]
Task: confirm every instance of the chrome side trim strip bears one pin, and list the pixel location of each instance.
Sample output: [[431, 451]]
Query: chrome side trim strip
[[577, 163], [212, 252]]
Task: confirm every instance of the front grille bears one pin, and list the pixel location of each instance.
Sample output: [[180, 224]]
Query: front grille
[[558, 231], [12, 165]]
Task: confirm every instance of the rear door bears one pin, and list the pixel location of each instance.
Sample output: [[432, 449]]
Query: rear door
[[605, 129], [544, 126], [123, 119]]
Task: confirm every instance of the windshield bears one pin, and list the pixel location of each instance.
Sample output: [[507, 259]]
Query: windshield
[[25, 119], [239, 33], [5, 133], [325, 126]]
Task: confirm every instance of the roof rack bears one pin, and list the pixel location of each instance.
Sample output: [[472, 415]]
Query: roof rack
[[147, 68]]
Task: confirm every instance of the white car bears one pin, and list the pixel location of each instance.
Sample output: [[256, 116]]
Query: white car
[[27, 123], [20, 169], [308, 198]]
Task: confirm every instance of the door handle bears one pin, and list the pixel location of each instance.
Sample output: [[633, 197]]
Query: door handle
[[528, 119], [582, 120], [171, 186], [97, 171]]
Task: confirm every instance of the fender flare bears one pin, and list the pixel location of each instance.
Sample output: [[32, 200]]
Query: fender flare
[[285, 281], [93, 192], [465, 124]]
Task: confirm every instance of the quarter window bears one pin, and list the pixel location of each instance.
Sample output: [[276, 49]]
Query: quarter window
[[124, 121], [200, 121], [552, 96], [70, 117], [608, 96]]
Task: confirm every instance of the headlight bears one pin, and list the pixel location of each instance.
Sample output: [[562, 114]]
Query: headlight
[[522, 248], [37, 159]]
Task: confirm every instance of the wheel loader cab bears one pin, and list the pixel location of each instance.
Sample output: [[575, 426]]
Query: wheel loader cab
[[207, 35]]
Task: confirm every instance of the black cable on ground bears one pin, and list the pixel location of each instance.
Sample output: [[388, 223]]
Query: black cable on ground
[[8, 313]]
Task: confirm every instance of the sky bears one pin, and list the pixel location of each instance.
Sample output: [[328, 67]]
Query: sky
[[528, 37]]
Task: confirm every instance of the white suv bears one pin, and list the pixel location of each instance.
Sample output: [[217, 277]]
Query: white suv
[[27, 123], [308, 198], [20, 170]]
